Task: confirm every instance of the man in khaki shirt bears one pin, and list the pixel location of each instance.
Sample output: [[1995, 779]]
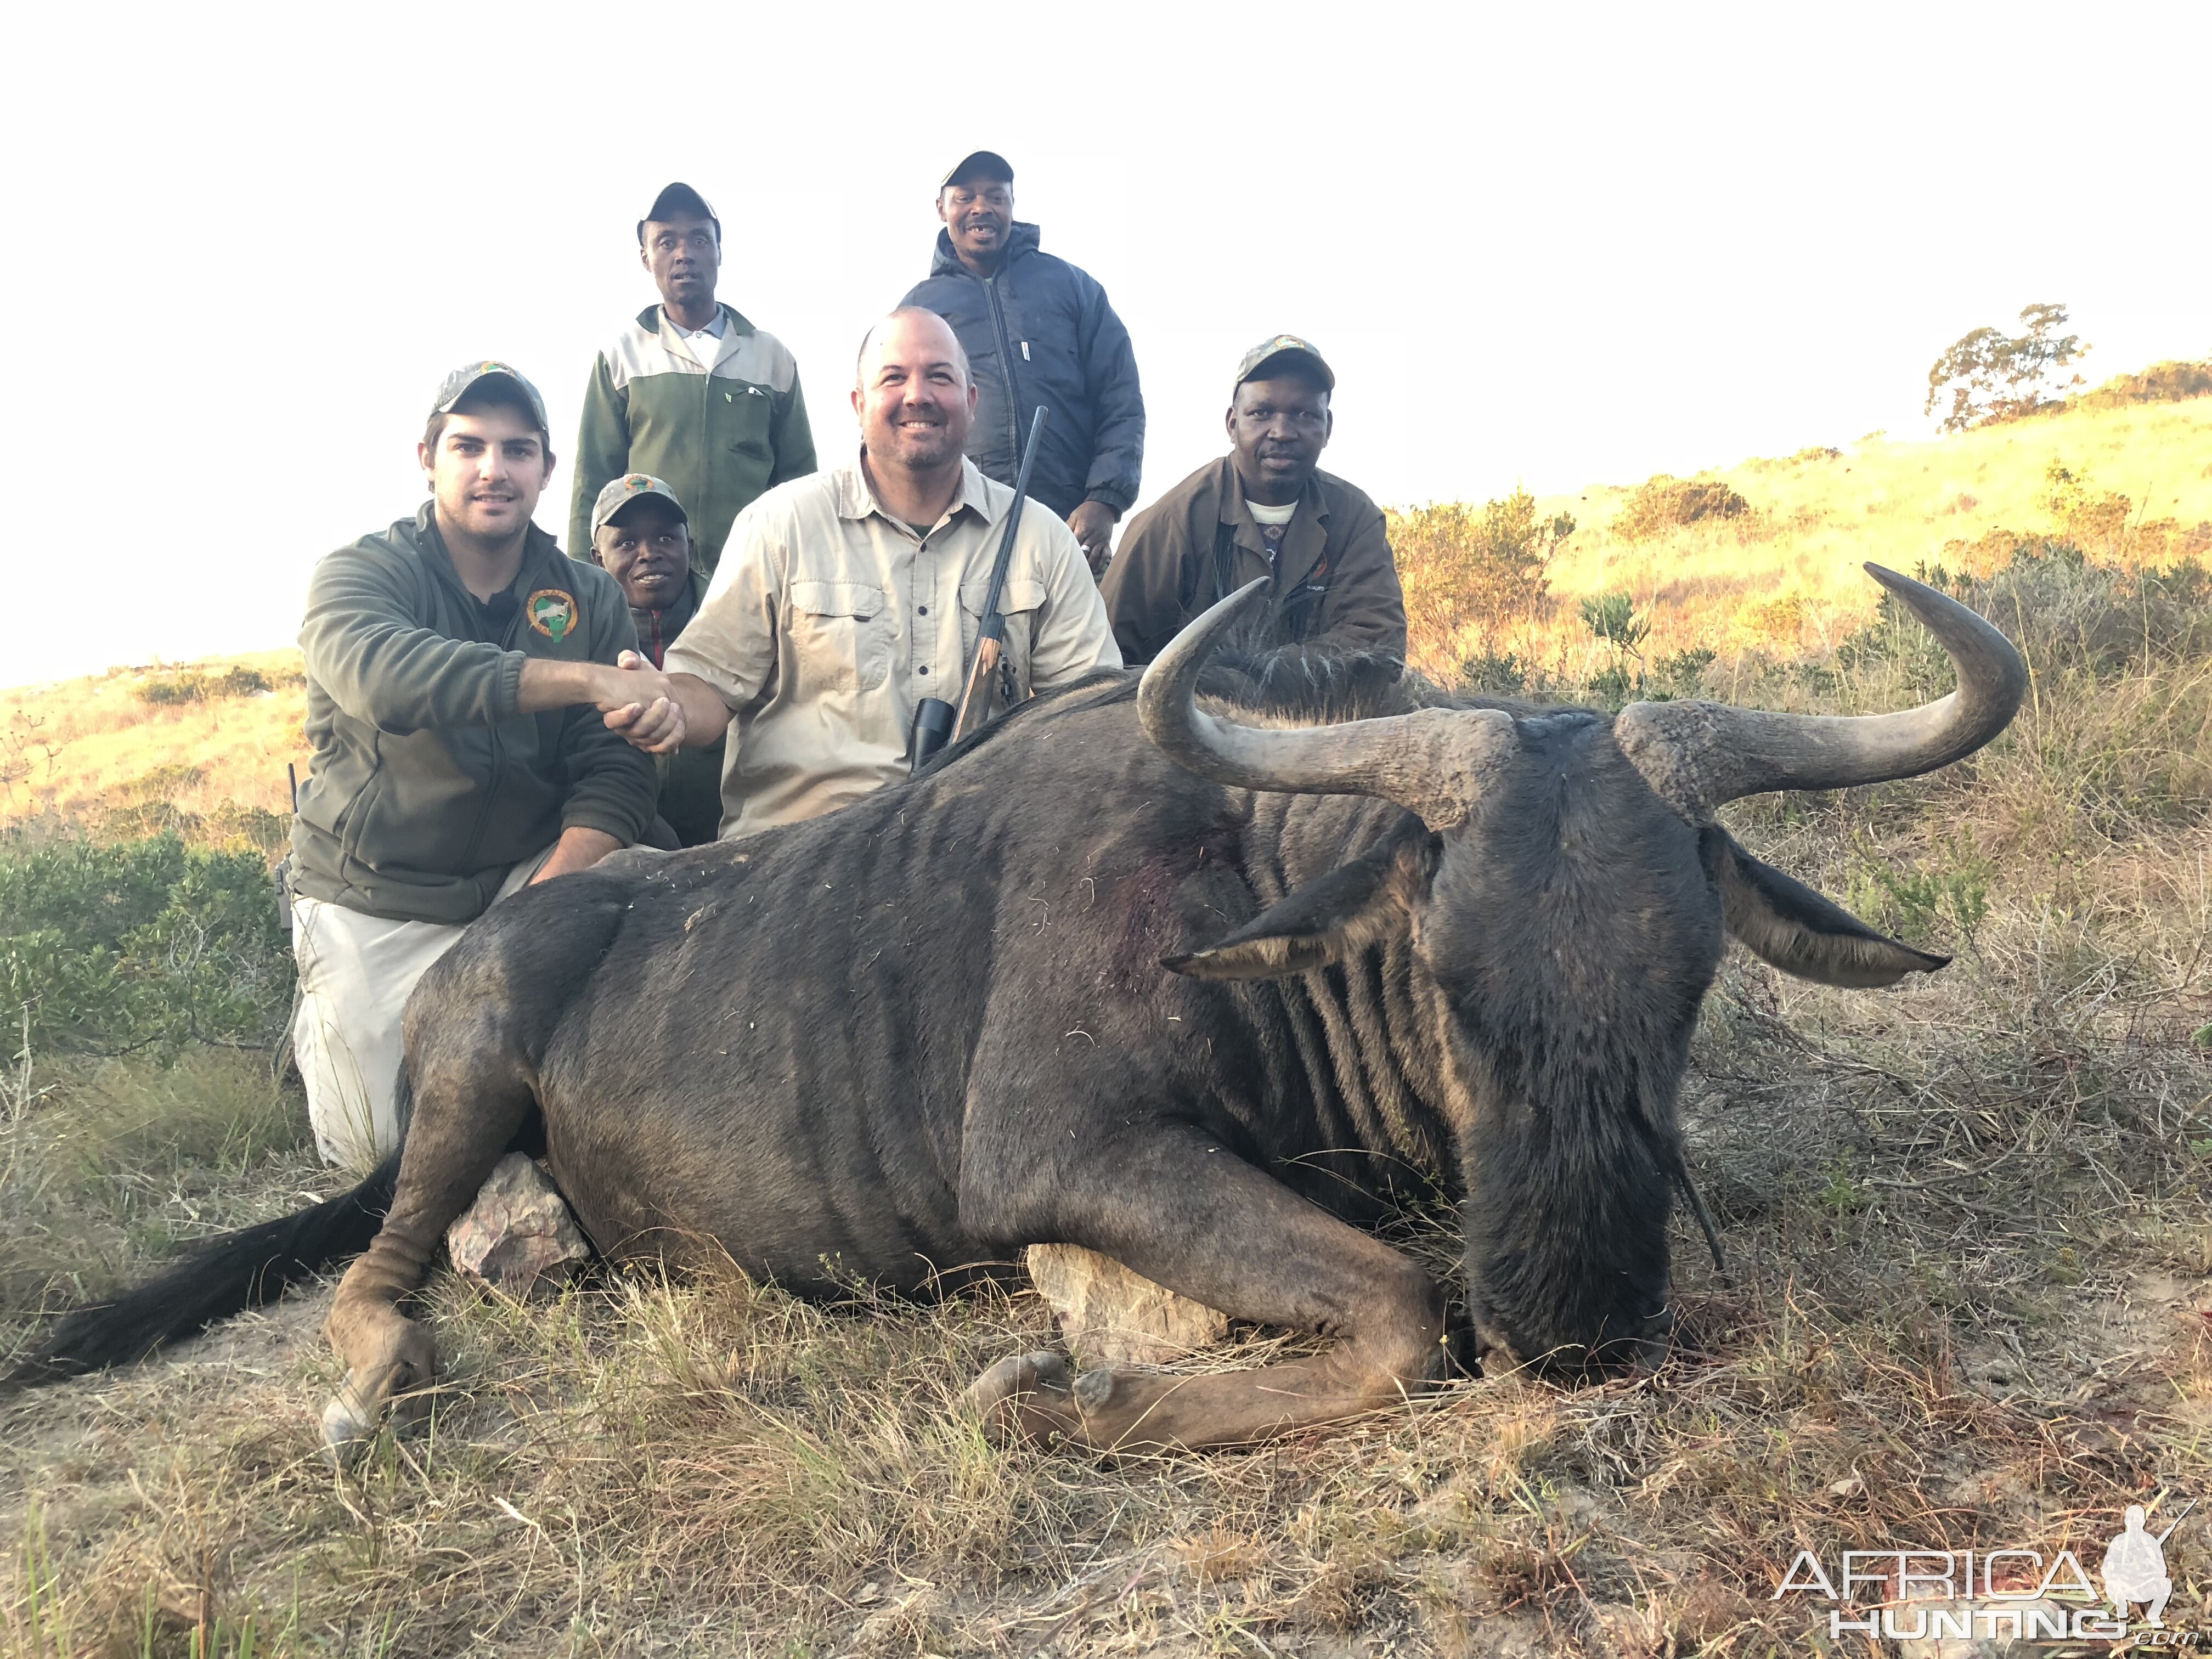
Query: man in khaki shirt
[[844, 598]]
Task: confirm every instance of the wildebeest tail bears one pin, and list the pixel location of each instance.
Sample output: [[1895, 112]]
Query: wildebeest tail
[[226, 1276]]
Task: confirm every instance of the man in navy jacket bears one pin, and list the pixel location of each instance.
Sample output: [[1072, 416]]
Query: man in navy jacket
[[1036, 330]]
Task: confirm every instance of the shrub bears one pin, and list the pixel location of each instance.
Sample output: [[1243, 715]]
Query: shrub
[[191, 685], [1488, 672], [1465, 567], [2161, 383], [2064, 613], [115, 946], [2103, 522], [1683, 672], [1612, 617], [1661, 504]]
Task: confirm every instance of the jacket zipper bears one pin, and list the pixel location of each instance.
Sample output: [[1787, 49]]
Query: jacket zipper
[[498, 758], [1006, 367], [706, 421]]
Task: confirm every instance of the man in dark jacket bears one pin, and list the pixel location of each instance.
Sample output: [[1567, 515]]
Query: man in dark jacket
[[457, 666], [641, 537], [1264, 509], [1036, 331]]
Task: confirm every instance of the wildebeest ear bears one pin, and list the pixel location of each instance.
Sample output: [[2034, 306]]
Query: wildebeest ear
[[1789, 925], [1325, 920]]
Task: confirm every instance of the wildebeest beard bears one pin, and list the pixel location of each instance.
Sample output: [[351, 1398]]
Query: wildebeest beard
[[1193, 983], [1514, 1023]]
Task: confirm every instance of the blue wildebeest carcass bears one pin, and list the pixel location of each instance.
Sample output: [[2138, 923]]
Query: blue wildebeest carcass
[[1175, 974]]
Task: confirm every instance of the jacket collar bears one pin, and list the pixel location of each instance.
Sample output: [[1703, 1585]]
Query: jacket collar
[[653, 320], [978, 494], [1024, 238], [1304, 542], [537, 546], [671, 620]]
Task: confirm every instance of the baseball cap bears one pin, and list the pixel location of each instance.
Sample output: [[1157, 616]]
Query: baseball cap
[[465, 379], [630, 487], [1265, 354], [989, 162], [677, 200]]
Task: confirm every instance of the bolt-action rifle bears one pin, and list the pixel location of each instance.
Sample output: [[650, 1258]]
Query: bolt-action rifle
[[936, 722]]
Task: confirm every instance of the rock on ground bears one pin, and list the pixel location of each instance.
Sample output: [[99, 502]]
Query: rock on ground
[[518, 1236], [1109, 1315]]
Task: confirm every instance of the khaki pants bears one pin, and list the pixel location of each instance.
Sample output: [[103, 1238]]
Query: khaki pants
[[356, 974]]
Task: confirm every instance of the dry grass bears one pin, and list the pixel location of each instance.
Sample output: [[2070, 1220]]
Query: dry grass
[[95, 751], [1783, 577], [1970, 1276]]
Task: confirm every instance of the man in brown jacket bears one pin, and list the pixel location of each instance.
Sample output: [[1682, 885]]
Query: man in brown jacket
[[1264, 509]]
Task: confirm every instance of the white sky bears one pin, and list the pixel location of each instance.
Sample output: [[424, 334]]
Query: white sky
[[1550, 244]]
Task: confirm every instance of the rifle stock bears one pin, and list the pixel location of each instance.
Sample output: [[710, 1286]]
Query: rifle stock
[[975, 699], [929, 733]]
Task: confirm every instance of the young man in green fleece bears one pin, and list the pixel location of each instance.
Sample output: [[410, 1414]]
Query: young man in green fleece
[[457, 666], [691, 391]]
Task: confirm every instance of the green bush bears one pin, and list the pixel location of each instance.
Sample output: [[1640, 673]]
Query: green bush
[[1661, 504], [1493, 673], [116, 946], [1612, 617], [2063, 611], [194, 686], [1459, 564]]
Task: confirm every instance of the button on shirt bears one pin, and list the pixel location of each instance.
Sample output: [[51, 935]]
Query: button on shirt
[[828, 619], [705, 344]]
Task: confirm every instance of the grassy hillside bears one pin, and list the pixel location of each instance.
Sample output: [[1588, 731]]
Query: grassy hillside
[[1781, 577], [1967, 1218], [201, 746]]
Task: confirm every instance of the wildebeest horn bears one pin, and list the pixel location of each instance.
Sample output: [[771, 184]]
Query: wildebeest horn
[[1696, 755], [1436, 761]]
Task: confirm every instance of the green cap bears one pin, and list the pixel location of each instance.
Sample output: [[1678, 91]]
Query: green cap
[[1303, 354], [631, 486], [464, 380]]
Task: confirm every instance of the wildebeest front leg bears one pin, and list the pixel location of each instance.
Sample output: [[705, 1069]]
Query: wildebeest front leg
[[1185, 1212], [471, 1093]]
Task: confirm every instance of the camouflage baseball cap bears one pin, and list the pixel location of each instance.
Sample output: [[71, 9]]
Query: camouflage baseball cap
[[1264, 355], [621, 492], [464, 380]]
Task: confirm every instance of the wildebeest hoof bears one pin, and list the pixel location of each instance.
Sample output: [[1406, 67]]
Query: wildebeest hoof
[[1095, 1388], [1026, 1395], [348, 1426], [355, 1413]]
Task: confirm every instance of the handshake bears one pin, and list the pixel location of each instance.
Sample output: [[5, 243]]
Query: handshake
[[642, 704], [654, 710]]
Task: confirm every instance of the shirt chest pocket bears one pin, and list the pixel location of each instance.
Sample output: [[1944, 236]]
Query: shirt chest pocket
[[841, 637], [1022, 601]]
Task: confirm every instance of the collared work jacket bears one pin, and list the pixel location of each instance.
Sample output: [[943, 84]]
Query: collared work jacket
[[1335, 582], [717, 434]]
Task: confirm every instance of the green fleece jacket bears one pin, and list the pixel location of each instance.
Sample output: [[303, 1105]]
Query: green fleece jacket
[[717, 434], [427, 786]]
